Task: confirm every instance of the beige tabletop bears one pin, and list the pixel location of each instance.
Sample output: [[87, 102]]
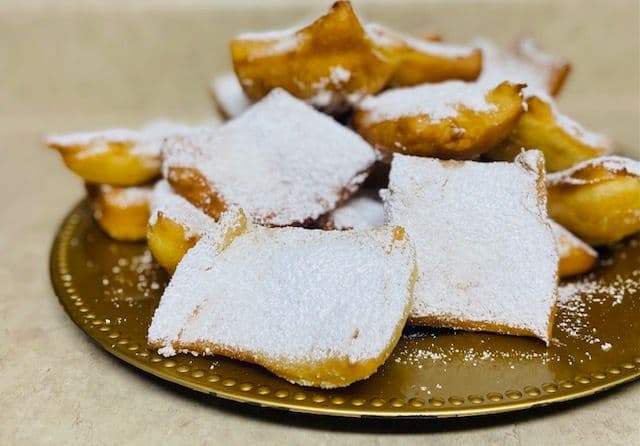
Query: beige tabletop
[[82, 65]]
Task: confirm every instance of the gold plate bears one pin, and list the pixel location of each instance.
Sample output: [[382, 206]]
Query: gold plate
[[110, 289]]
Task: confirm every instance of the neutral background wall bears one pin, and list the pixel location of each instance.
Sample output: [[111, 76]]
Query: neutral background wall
[[73, 60]]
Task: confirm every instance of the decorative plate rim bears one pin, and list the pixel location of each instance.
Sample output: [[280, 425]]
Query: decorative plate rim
[[229, 388]]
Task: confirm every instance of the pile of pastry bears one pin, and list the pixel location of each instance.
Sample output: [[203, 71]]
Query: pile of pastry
[[365, 179]]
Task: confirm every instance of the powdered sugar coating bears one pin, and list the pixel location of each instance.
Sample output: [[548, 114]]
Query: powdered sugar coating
[[290, 294], [485, 249], [285, 40], [383, 36], [613, 163], [164, 200], [327, 89], [525, 64], [363, 211], [123, 197], [281, 160], [566, 241], [229, 95], [146, 141], [527, 48], [438, 101]]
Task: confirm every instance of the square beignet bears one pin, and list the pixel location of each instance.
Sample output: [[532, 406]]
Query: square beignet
[[318, 308], [282, 161], [487, 257]]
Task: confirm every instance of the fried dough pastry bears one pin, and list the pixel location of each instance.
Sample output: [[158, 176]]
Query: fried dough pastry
[[175, 226], [291, 314], [452, 119], [121, 212], [598, 199], [228, 95], [282, 161], [486, 254], [421, 60], [331, 63], [523, 63], [576, 257], [116, 157], [563, 141]]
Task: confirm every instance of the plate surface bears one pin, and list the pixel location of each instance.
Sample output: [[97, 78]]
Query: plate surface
[[110, 289]]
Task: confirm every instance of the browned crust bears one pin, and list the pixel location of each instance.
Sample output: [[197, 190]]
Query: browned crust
[[127, 223], [465, 136], [577, 261], [416, 68], [591, 175], [445, 321], [558, 78], [116, 165], [331, 373], [191, 184], [168, 241], [336, 38], [538, 128], [601, 211]]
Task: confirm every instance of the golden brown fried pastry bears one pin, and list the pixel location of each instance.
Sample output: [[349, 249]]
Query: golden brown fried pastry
[[282, 161], [121, 212], [487, 258], [598, 199], [175, 226], [576, 257], [447, 120], [523, 63], [288, 313], [563, 141], [421, 60], [330, 63], [117, 157]]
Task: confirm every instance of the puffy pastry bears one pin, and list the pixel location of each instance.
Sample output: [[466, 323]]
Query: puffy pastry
[[175, 226], [121, 212], [451, 119], [563, 141], [331, 63], [598, 200], [420, 60], [486, 253], [301, 310], [282, 161], [576, 257], [117, 157]]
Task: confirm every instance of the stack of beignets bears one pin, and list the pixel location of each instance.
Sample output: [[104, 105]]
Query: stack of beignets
[[287, 251]]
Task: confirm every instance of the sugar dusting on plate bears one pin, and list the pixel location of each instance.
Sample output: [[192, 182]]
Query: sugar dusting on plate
[[577, 298]]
